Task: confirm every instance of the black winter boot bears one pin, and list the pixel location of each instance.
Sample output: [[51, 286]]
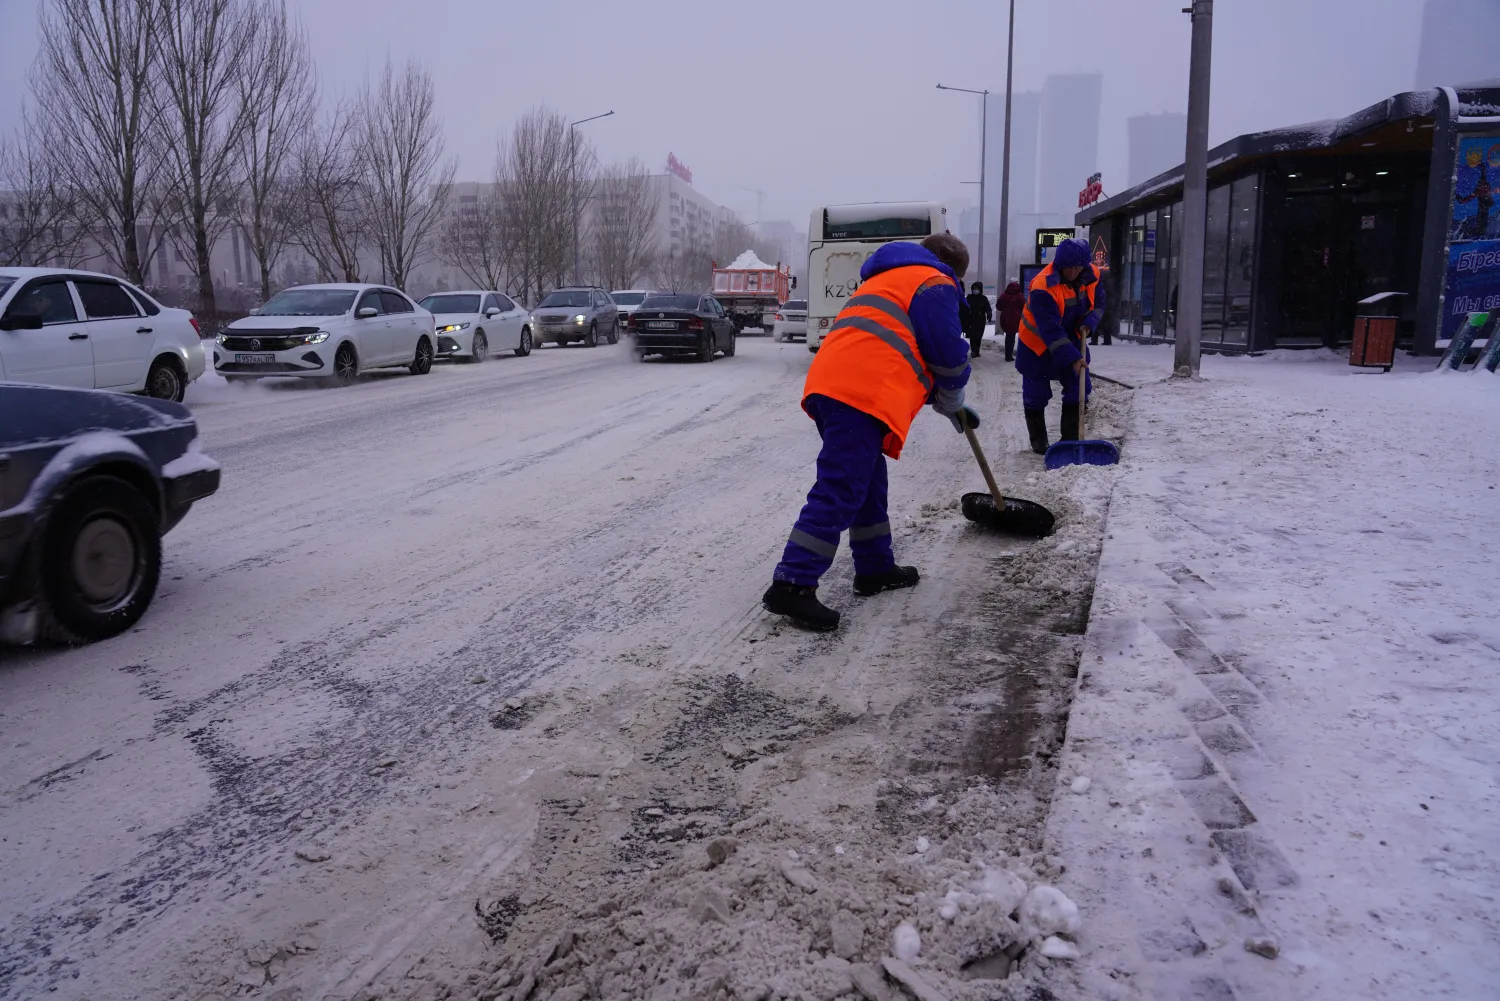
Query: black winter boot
[[801, 605], [1036, 426], [1069, 423], [887, 580]]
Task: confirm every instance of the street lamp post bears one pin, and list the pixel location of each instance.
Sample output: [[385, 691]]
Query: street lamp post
[[984, 97], [1187, 352], [573, 186], [1010, 59]]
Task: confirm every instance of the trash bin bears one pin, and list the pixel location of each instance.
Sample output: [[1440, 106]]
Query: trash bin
[[1374, 344]]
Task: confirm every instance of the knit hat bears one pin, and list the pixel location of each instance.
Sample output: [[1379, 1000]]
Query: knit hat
[[1071, 254]]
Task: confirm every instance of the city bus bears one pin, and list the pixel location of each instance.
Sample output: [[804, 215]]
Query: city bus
[[841, 237]]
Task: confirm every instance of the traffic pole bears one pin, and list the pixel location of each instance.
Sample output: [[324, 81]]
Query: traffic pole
[[1194, 194], [984, 124], [1004, 258]]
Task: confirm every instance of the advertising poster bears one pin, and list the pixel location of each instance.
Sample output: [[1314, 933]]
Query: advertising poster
[[1472, 284]]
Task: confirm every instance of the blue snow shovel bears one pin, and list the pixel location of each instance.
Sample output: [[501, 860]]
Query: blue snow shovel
[[1081, 452]]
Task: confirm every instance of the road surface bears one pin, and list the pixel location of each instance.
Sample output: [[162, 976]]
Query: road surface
[[434, 631]]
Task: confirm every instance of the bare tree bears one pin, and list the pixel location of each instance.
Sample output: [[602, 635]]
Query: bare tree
[[622, 234], [94, 85], [278, 97], [204, 44], [407, 170], [687, 270], [536, 184], [473, 234], [330, 196], [40, 221]]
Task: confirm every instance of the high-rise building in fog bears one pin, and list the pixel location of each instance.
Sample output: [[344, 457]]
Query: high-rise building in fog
[[1024, 111], [1069, 138], [1459, 39], [1156, 143]]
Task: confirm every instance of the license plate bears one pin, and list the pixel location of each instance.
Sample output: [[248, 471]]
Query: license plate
[[661, 325], [255, 359]]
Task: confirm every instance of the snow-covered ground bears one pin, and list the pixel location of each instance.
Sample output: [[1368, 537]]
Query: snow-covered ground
[[452, 659], [460, 688], [1288, 706]]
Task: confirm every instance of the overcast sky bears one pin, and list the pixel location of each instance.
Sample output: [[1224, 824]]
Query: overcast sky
[[818, 101]]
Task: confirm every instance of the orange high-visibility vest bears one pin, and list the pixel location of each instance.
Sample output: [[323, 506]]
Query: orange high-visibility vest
[[1064, 295], [870, 359]]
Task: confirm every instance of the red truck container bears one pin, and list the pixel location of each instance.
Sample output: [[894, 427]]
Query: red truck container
[[750, 290]]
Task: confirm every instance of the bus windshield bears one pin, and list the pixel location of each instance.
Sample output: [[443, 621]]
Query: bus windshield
[[880, 221]]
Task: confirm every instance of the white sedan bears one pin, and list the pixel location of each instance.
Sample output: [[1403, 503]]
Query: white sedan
[[471, 324], [77, 328], [327, 331], [791, 320]]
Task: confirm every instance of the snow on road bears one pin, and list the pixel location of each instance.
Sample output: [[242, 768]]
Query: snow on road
[[1287, 711], [454, 663]]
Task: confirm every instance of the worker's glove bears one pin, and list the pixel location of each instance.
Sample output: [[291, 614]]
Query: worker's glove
[[969, 414]]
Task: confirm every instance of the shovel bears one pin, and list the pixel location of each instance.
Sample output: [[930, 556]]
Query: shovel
[[1005, 514], [1081, 452]]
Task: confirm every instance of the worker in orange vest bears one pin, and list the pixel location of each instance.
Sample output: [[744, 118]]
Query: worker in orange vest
[[897, 345], [1063, 306]]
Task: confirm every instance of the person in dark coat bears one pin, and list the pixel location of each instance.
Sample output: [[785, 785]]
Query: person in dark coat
[[977, 314], [1012, 302]]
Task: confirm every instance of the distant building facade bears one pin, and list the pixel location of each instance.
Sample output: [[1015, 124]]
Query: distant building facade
[[1069, 138], [1156, 144], [1460, 42]]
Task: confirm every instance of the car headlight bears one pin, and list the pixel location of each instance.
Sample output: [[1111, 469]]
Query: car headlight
[[221, 339], [315, 338], [452, 327], [579, 319]]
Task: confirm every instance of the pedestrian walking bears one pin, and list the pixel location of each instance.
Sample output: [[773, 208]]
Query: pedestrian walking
[[1101, 271], [1012, 303], [894, 347], [977, 316], [1063, 307]]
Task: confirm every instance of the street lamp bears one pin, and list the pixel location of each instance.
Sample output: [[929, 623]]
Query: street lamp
[[1010, 61], [984, 97], [573, 184]]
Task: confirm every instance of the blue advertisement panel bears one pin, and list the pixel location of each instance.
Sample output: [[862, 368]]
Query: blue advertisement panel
[[1472, 284]]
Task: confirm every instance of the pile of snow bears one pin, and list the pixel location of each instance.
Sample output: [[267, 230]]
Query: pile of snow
[[748, 261]]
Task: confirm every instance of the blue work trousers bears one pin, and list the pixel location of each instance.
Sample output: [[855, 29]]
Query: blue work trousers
[[850, 494]]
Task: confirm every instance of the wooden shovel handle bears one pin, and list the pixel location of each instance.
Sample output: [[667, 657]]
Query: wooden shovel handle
[[1083, 398], [984, 466]]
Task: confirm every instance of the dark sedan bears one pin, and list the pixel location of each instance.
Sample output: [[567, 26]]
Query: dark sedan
[[89, 483], [678, 324]]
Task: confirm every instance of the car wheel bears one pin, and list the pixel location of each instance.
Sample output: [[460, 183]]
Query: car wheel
[[614, 334], [422, 363], [165, 381], [707, 348], [591, 339], [524, 348], [345, 365], [481, 348], [729, 350], [101, 559]]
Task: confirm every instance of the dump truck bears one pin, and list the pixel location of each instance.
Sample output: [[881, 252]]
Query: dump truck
[[750, 290]]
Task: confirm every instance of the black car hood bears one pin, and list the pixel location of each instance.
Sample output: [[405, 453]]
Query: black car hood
[[40, 413]]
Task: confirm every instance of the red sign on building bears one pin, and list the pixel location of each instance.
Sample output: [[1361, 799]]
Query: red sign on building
[[679, 168], [1092, 191]]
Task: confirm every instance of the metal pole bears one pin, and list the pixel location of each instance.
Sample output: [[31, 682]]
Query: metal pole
[[984, 123], [573, 189], [1010, 51], [1194, 194]]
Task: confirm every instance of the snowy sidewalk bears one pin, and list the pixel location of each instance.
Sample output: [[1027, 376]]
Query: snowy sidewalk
[[1287, 705]]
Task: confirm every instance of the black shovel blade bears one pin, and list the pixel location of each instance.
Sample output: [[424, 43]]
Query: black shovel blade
[[1018, 517]]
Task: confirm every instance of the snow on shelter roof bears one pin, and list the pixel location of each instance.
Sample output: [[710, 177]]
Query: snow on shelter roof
[[748, 262]]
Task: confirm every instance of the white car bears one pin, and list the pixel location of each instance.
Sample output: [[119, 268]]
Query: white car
[[77, 328], [327, 331], [791, 320], [471, 324], [629, 300]]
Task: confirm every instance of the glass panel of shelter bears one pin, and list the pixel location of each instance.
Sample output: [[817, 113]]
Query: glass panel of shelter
[[1215, 259], [1240, 272]]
